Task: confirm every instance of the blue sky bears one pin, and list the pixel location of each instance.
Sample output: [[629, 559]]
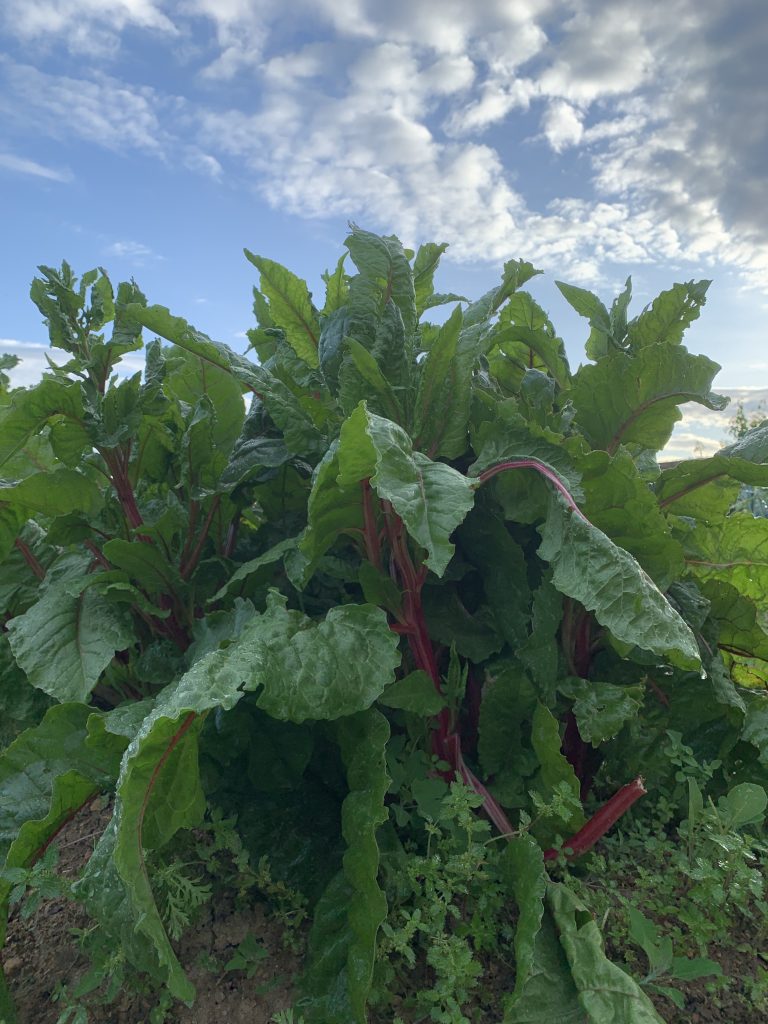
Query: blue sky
[[597, 138]]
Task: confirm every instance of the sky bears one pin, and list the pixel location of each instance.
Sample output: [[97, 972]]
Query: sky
[[596, 138]]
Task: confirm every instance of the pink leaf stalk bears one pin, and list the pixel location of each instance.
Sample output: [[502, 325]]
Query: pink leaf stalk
[[545, 471], [600, 822]]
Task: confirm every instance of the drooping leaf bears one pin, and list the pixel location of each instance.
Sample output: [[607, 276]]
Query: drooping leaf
[[32, 408], [46, 775], [607, 580], [342, 942], [509, 438], [268, 558], [450, 622], [619, 502], [606, 993], [300, 433], [522, 870], [549, 996], [739, 628], [735, 552], [43, 765], [54, 493], [12, 519], [191, 379], [64, 641]]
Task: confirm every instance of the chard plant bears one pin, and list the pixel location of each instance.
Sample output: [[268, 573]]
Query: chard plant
[[268, 582]]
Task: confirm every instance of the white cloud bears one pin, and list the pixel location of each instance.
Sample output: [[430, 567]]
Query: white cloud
[[101, 110], [90, 27], [203, 163], [410, 114], [133, 252], [21, 165], [562, 125], [32, 362]]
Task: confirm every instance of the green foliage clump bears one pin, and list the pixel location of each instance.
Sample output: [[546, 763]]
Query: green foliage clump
[[316, 586]]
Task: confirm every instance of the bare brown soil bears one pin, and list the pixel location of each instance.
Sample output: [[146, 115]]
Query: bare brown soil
[[42, 952]]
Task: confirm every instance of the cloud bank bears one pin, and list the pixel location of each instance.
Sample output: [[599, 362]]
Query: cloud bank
[[582, 134]]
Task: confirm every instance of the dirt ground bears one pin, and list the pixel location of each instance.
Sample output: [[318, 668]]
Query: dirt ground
[[41, 953]]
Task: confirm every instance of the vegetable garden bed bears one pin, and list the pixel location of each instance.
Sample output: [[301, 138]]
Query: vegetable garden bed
[[375, 660]]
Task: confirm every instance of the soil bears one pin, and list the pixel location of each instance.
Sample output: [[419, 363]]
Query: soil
[[42, 953]]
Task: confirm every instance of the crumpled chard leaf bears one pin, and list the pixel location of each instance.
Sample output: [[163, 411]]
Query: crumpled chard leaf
[[300, 669]]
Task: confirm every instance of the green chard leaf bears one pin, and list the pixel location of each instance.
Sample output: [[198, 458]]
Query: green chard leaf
[[445, 389], [549, 995], [555, 772], [342, 943], [46, 775], [509, 699], [601, 709], [620, 503], [669, 315], [522, 869], [606, 992], [705, 489], [336, 288], [31, 409], [300, 432], [414, 693], [736, 552], [65, 641], [424, 267], [430, 497], [634, 398], [54, 493], [300, 669], [607, 580], [290, 306], [384, 274]]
